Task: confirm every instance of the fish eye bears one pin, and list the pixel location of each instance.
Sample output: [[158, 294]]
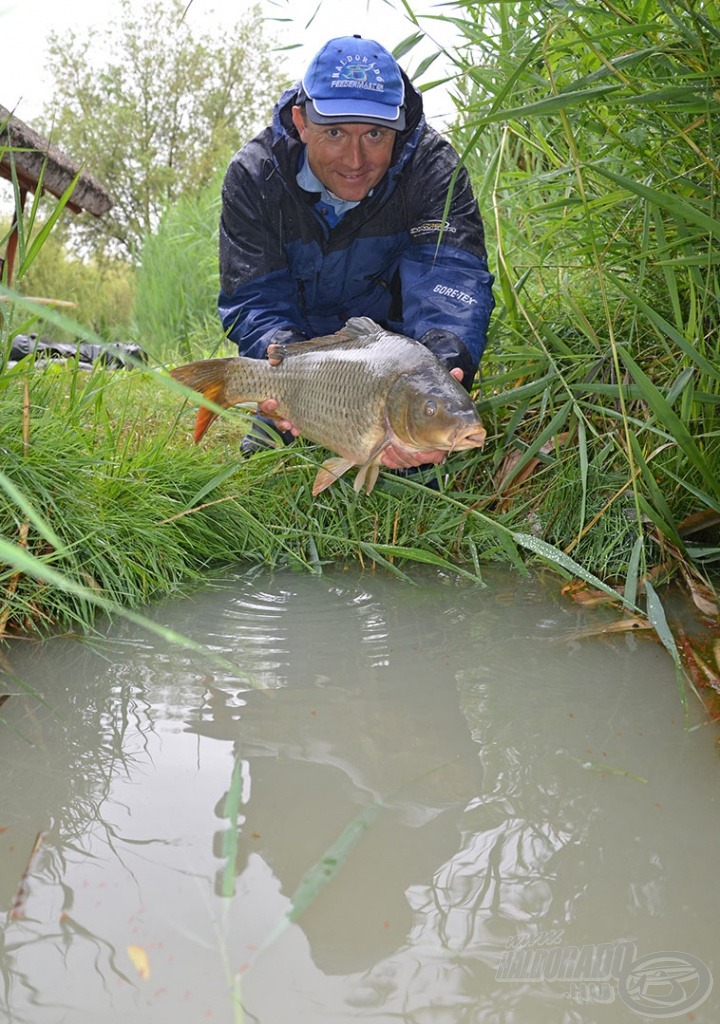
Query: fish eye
[[430, 408]]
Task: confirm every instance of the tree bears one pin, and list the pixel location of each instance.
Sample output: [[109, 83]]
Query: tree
[[154, 122]]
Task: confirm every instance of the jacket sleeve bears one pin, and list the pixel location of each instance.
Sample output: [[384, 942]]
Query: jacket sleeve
[[258, 297], [446, 287]]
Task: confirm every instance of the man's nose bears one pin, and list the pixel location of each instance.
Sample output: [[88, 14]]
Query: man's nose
[[353, 153]]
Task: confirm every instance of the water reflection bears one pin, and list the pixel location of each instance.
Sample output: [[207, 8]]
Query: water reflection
[[181, 810]]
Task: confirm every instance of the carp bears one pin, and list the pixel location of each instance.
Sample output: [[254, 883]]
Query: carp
[[354, 392]]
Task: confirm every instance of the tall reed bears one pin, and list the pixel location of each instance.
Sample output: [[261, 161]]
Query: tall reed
[[591, 133]]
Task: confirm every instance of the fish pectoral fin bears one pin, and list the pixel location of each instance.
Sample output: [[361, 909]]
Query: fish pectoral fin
[[370, 469], [331, 470], [368, 474]]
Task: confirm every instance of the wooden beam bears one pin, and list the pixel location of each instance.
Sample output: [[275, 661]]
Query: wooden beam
[[37, 163]]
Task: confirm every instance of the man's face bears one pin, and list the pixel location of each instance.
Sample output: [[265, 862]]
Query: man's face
[[349, 159]]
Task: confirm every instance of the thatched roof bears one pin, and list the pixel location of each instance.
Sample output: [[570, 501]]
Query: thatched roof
[[34, 156]]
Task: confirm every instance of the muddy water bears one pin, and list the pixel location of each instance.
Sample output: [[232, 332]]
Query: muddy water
[[433, 804]]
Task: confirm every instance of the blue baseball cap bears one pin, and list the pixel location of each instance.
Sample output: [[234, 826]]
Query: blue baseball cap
[[354, 80]]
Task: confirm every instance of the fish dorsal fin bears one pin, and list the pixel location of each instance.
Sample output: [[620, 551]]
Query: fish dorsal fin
[[361, 327], [358, 329]]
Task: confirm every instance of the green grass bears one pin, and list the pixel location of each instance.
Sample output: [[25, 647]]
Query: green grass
[[103, 485]]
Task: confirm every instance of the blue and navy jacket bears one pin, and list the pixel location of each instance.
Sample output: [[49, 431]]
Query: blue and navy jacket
[[397, 257]]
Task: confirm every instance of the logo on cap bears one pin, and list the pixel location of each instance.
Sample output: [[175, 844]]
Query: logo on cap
[[355, 72]]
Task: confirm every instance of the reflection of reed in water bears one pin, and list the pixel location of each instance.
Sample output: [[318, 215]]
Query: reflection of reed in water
[[489, 843], [321, 758], [79, 738], [529, 867]]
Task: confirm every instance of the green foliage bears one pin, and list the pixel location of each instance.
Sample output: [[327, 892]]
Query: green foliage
[[591, 133], [152, 122], [91, 488], [177, 281], [100, 295]]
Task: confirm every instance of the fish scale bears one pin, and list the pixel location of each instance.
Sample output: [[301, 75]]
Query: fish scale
[[348, 419], [354, 392]]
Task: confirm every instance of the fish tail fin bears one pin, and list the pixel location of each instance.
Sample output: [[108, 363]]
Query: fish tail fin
[[206, 376]]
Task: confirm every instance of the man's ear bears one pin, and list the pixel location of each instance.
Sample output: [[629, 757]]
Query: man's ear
[[298, 116]]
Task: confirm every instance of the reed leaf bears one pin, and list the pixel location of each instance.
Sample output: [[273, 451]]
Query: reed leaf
[[630, 590], [671, 422], [656, 615], [414, 554], [559, 560], [27, 508], [683, 210]]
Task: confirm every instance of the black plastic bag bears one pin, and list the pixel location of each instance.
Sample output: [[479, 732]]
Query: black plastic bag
[[116, 355]]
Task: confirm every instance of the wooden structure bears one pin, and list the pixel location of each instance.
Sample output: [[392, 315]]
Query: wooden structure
[[39, 164]]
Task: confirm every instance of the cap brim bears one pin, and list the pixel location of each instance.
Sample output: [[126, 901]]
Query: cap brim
[[339, 112]]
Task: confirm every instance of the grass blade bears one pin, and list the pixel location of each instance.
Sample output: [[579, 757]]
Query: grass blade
[[670, 421], [323, 872]]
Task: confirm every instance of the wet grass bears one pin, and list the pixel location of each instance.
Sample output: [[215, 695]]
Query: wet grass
[[103, 486]]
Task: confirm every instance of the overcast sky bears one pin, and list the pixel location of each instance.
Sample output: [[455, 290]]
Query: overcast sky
[[25, 25]]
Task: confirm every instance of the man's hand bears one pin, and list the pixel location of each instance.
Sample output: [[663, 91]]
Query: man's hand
[[395, 458], [273, 354], [269, 406]]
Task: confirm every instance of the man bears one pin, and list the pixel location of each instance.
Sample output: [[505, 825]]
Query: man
[[337, 209]]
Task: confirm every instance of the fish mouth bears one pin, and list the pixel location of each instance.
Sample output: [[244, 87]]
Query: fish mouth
[[477, 437], [470, 437]]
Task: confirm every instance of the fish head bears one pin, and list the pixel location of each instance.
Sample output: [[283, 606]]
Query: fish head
[[428, 409]]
